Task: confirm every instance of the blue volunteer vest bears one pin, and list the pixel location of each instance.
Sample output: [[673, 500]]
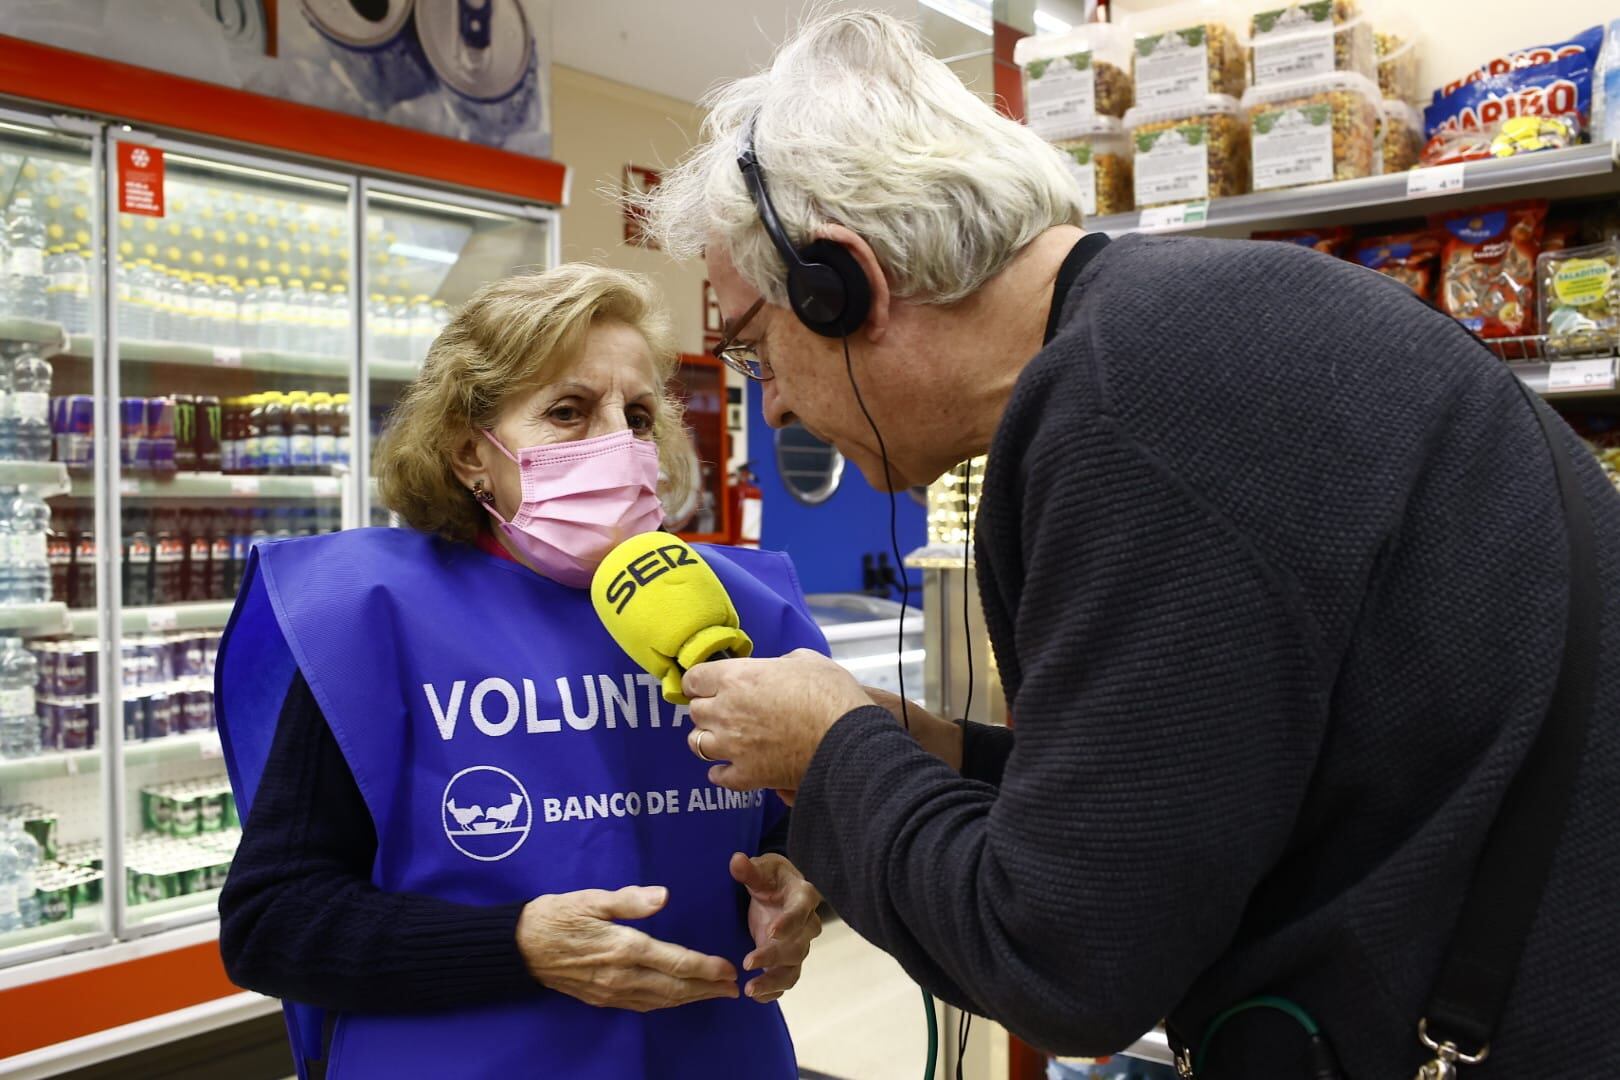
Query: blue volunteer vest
[[507, 748]]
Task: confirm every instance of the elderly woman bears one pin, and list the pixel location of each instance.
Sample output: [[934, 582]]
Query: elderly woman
[[457, 789]]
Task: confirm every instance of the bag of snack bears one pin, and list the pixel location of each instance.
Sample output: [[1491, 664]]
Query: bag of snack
[[1332, 240], [1540, 105], [1488, 267], [1409, 258], [1580, 299], [1588, 42]]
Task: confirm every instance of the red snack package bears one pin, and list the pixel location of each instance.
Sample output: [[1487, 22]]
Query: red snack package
[[1410, 258], [1488, 267], [1332, 240]]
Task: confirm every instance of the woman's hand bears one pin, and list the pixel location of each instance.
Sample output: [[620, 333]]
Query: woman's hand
[[939, 737], [782, 919], [572, 944]]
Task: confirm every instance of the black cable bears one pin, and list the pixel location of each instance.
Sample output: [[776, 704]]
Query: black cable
[[894, 536], [964, 1024]]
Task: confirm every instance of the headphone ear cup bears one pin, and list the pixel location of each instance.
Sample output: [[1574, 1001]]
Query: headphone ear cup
[[829, 290]]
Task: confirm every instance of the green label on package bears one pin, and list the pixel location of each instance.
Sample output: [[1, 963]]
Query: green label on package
[[1172, 166], [1062, 90], [1172, 69], [1582, 281]]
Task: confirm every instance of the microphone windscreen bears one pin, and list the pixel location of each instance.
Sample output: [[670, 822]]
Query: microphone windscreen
[[666, 608]]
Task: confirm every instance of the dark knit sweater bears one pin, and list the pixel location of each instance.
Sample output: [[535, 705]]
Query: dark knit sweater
[[1274, 568], [300, 918]]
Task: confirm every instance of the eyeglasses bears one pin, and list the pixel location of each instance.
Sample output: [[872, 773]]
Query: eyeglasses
[[741, 357]]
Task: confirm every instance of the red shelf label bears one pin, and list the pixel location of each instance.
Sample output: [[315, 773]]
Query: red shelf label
[[140, 179]]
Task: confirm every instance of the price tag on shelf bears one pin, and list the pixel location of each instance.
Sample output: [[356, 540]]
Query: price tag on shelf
[[162, 618], [1178, 216], [325, 487], [244, 485], [1566, 375], [1434, 180], [129, 486], [225, 356]]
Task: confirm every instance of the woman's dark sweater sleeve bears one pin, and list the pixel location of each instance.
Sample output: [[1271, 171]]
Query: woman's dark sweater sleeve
[[300, 918]]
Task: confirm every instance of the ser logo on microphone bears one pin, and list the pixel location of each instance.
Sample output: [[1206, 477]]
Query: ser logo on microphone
[[644, 569]]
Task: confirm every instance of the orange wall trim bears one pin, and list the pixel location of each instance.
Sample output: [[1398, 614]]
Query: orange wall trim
[[56, 1010], [77, 82]]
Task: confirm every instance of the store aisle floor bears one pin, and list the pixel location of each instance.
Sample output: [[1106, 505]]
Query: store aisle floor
[[854, 1014]]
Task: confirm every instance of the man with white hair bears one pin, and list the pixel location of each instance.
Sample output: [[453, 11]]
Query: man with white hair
[[1275, 564]]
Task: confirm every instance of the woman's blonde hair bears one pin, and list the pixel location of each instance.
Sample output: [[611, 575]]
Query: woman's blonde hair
[[509, 338]]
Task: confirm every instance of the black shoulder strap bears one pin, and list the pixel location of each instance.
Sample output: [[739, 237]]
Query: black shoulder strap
[[1084, 250], [1477, 974]]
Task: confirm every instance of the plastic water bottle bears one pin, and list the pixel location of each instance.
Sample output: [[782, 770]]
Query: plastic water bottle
[[227, 302], [19, 722], [25, 263], [273, 318], [377, 319], [248, 313], [30, 559], [28, 860], [298, 317], [10, 879], [320, 320], [8, 419], [146, 295], [70, 289], [423, 330], [31, 407]]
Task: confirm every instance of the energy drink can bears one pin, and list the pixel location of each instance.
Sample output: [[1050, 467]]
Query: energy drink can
[[159, 710], [134, 719], [132, 432], [160, 434], [185, 433], [208, 431]]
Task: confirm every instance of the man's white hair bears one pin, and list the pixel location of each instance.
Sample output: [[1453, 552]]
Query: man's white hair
[[856, 124]]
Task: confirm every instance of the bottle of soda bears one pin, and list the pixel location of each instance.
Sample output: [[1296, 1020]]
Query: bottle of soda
[[230, 442], [320, 407], [199, 555], [340, 417], [253, 435], [82, 585], [300, 435], [59, 550], [241, 542], [137, 560], [220, 583], [277, 438], [169, 559]]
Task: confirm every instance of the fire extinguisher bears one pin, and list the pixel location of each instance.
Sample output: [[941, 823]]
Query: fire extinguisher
[[747, 508]]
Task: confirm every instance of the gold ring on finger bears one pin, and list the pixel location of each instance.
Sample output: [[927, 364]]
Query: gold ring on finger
[[697, 746]]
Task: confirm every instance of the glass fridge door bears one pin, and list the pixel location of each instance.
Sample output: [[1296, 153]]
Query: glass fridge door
[[425, 253], [233, 343], [53, 788]]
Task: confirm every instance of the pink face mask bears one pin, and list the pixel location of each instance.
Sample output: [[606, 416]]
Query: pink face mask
[[580, 499]]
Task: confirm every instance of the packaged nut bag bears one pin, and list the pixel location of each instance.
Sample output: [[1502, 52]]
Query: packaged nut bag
[[1579, 290], [1313, 131], [1100, 159], [1402, 136], [1188, 155], [1309, 40], [1183, 53], [1071, 79]]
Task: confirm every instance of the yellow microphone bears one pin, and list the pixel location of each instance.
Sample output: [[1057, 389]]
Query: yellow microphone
[[666, 608]]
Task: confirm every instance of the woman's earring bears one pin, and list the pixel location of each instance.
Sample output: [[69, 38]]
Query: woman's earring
[[482, 493]]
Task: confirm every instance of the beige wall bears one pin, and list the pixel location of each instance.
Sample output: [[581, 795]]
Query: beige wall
[[1459, 35], [598, 127]]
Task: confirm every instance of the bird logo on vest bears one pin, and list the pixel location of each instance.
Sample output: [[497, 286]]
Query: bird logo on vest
[[486, 813]]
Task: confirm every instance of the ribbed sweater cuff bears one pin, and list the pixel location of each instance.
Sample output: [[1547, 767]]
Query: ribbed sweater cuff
[[466, 950]]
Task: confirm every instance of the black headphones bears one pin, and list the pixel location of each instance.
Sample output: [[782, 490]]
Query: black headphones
[[827, 289]]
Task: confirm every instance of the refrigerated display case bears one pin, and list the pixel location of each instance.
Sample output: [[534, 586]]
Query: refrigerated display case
[[174, 389], [424, 255], [864, 635]]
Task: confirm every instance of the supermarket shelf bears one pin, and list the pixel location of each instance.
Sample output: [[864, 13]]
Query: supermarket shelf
[[188, 485], [207, 615], [187, 354], [192, 355], [1578, 170], [1571, 378], [45, 478], [32, 620], [32, 331], [86, 920], [198, 746]]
